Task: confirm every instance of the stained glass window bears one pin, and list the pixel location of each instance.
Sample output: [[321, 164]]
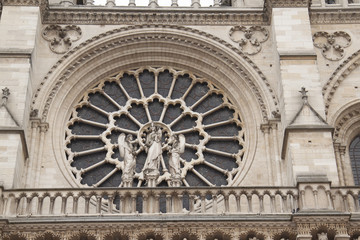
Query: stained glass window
[[176, 103]]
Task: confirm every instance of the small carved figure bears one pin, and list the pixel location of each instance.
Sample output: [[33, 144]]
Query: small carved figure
[[322, 236], [154, 150], [127, 152], [175, 150]]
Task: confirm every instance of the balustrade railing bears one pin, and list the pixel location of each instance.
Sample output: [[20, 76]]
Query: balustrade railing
[[163, 3], [179, 201], [131, 201], [335, 3]]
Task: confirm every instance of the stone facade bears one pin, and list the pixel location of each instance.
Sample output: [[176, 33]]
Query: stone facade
[[278, 167]]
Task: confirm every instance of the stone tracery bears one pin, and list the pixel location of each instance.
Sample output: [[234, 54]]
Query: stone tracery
[[155, 106]]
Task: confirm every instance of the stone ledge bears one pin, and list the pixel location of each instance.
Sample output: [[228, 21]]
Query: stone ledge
[[17, 130], [302, 128]]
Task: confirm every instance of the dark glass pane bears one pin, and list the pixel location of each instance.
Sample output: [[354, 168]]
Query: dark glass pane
[[115, 92], [220, 115], [209, 103], [211, 175], [138, 112], [172, 112], [130, 85], [88, 160], [85, 129], [354, 153], [164, 83], [79, 145], [102, 102], [220, 161], [196, 92], [155, 108], [147, 80], [90, 114], [181, 85]]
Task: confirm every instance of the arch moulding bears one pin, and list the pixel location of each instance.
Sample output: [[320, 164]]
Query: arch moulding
[[338, 76], [157, 46], [165, 36]]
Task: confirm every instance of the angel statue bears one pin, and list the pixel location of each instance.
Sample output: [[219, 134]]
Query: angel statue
[[176, 148], [154, 151], [128, 153]]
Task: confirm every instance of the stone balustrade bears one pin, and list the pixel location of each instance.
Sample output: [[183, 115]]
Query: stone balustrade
[[157, 3], [335, 3], [179, 201], [127, 201]]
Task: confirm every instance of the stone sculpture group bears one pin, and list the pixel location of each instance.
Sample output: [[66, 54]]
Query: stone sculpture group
[[154, 146]]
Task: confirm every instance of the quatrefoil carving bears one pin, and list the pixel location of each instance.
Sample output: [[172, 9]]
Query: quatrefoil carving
[[332, 45], [249, 38], [60, 38]]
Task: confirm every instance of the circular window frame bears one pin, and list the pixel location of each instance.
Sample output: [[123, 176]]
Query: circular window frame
[[200, 127]]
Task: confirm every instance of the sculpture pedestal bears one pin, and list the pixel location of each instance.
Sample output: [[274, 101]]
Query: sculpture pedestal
[[151, 177]]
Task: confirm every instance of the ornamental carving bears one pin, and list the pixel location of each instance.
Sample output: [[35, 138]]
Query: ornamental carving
[[249, 38], [155, 126], [61, 38], [332, 45]]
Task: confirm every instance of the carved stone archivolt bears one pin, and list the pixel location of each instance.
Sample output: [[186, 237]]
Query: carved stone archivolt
[[249, 38], [70, 69], [61, 38], [345, 68], [332, 44]]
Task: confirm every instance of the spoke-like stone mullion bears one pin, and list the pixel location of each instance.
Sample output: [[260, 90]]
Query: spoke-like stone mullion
[[156, 83], [90, 151], [92, 167], [147, 112], [188, 90], [139, 86], [184, 131], [185, 182], [86, 136], [163, 113], [124, 91], [134, 120], [172, 87], [215, 167], [200, 100], [218, 124], [126, 130], [89, 122], [224, 138], [225, 154], [106, 177], [97, 109], [176, 120], [212, 110], [202, 177], [111, 100]]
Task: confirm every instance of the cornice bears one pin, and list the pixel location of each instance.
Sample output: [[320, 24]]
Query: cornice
[[20, 3], [135, 15], [334, 15], [290, 3]]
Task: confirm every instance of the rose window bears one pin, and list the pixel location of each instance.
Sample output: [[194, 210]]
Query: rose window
[[154, 127]]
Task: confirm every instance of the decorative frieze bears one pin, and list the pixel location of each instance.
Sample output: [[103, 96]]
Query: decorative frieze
[[332, 45], [60, 38], [249, 38], [102, 15]]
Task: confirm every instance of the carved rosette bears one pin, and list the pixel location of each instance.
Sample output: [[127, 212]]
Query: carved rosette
[[61, 38], [249, 38], [332, 45]]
